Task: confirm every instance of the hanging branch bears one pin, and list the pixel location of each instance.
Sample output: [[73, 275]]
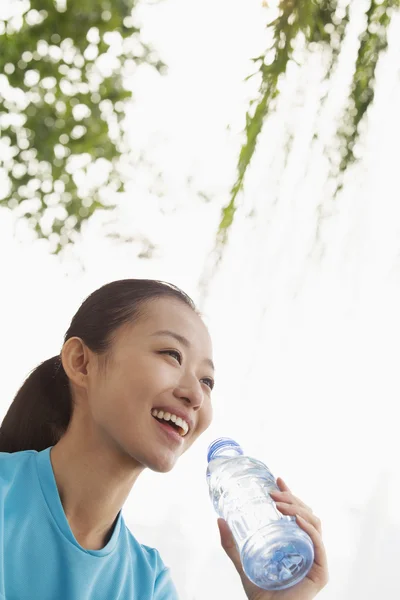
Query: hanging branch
[[373, 42], [323, 23], [296, 17]]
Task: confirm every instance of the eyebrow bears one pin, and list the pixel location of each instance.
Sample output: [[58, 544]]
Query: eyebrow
[[184, 341]]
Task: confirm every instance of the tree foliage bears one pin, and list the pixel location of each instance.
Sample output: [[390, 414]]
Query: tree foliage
[[62, 99], [62, 102], [322, 24]]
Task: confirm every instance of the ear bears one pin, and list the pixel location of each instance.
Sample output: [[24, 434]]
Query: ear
[[75, 361]]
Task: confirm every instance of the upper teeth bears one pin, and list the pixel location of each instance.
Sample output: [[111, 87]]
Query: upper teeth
[[160, 414]]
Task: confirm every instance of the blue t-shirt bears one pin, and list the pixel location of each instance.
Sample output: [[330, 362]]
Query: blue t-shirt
[[40, 558]]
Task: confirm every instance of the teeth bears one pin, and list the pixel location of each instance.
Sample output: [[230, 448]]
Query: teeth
[[160, 414]]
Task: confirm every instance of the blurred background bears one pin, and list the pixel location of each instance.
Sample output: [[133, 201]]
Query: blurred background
[[247, 152]]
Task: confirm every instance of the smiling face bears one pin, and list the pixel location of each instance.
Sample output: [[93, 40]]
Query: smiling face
[[151, 369]]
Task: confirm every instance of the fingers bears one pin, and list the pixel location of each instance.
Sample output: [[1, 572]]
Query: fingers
[[311, 525], [289, 498], [285, 495], [282, 484], [293, 510], [288, 504], [320, 573], [228, 544]]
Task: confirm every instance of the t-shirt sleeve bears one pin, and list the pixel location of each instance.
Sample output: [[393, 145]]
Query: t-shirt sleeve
[[164, 587]]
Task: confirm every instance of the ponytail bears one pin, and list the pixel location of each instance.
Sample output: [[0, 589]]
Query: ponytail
[[40, 413]]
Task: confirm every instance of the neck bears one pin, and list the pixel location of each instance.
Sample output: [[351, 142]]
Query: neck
[[93, 483]]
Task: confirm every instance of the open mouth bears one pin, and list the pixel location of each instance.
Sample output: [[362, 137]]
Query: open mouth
[[171, 421], [170, 432], [173, 426]]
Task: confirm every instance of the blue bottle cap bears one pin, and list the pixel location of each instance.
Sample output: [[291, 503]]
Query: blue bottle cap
[[223, 446]]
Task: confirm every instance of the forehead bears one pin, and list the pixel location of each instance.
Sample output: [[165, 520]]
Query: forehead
[[171, 314]]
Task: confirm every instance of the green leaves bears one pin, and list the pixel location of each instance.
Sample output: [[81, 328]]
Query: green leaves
[[323, 24], [62, 101], [373, 42]]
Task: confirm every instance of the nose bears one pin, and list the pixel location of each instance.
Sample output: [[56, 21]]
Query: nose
[[190, 389]]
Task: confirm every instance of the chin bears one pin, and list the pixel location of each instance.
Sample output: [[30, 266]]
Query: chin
[[163, 467], [161, 461]]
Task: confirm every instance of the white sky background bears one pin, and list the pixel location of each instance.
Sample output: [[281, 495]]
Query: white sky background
[[306, 350]]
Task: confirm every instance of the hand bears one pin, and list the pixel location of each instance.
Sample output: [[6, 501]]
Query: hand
[[318, 575]]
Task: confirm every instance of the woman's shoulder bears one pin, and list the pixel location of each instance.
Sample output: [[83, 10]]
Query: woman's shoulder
[[163, 585], [12, 461], [149, 556]]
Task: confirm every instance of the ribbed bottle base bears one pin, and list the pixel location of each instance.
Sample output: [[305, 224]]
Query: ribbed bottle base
[[277, 556]]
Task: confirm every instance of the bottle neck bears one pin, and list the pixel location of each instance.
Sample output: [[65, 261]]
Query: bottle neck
[[224, 447]]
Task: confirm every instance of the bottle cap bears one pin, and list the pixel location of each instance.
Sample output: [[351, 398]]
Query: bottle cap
[[223, 446]]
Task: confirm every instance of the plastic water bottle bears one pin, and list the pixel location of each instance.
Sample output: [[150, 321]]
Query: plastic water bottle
[[275, 552]]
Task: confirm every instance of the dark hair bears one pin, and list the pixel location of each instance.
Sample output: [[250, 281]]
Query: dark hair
[[41, 411]]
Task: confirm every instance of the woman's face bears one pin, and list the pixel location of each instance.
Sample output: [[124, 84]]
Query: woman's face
[[150, 370]]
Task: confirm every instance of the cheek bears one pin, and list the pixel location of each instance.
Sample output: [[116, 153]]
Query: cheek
[[203, 423], [205, 418]]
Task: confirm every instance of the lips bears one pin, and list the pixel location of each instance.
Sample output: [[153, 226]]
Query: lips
[[168, 431]]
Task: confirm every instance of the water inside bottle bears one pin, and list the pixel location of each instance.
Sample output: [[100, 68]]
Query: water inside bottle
[[275, 553]]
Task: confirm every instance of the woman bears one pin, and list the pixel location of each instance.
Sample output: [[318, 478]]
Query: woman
[[130, 390]]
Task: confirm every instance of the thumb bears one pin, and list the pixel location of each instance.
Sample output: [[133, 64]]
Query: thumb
[[229, 545]]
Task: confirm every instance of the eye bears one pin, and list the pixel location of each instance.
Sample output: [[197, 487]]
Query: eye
[[209, 382], [173, 353]]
